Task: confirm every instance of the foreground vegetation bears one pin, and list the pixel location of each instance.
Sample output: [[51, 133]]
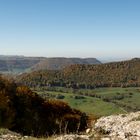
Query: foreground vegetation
[[23, 111]]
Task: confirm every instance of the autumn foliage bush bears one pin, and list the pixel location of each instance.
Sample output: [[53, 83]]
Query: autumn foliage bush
[[24, 111]]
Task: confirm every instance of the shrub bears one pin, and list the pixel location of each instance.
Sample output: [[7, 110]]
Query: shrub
[[60, 96], [79, 97]]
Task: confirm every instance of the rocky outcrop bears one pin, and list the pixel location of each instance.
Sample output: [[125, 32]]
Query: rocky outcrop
[[120, 127], [6, 134], [115, 127]]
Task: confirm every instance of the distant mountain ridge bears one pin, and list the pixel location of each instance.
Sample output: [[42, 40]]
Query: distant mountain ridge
[[62, 62], [17, 64], [20, 64]]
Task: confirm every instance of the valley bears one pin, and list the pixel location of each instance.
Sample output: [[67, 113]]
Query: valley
[[102, 89], [98, 102], [65, 95]]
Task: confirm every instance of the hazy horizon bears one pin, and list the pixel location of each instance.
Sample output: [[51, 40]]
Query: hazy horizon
[[106, 30], [103, 60]]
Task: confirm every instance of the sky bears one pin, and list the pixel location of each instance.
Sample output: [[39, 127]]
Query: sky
[[105, 29]]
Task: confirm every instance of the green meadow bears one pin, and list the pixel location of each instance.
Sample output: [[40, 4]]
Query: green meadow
[[99, 102]]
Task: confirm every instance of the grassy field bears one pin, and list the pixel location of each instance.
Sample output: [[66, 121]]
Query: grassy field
[[101, 101]]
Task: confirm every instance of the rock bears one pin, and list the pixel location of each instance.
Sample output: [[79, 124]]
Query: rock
[[123, 127], [73, 137], [88, 130], [9, 137], [6, 134], [105, 138]]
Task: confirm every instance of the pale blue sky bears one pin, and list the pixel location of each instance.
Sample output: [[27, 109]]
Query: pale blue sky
[[70, 28]]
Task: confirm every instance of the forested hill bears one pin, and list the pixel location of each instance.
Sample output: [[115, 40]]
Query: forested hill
[[116, 74]]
